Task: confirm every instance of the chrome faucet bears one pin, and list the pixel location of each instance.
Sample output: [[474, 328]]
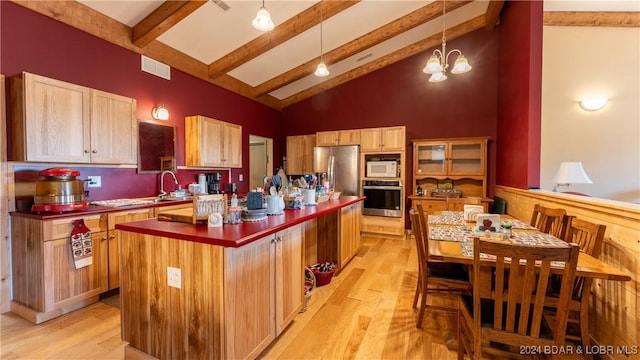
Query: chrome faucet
[[163, 193]]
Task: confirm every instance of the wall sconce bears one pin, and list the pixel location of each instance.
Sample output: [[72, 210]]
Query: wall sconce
[[594, 104], [570, 173], [160, 113]]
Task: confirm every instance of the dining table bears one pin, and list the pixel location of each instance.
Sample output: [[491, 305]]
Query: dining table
[[451, 240]]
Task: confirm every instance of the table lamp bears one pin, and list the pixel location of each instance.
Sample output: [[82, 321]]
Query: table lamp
[[570, 173]]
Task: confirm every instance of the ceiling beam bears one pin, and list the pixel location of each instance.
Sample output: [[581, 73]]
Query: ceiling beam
[[280, 34], [162, 19], [410, 50], [493, 13], [592, 18], [386, 32]]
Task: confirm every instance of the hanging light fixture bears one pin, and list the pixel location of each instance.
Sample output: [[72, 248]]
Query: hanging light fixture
[[321, 70], [438, 62], [263, 21]]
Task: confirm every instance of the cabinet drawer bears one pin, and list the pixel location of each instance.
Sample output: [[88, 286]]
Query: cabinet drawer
[[58, 229], [128, 216]]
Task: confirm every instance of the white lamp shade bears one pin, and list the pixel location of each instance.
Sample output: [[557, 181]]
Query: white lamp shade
[[437, 77], [263, 21], [571, 173], [433, 65], [461, 65], [321, 70]]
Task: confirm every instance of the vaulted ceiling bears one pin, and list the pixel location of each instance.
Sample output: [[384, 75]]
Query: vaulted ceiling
[[214, 40]]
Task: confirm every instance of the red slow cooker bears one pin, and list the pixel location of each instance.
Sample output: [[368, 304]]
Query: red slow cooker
[[58, 190]]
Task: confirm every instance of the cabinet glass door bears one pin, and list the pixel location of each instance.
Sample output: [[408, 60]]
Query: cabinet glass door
[[467, 159], [430, 159]]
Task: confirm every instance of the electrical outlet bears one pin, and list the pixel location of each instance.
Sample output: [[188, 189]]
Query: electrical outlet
[[95, 181], [240, 177], [174, 277]]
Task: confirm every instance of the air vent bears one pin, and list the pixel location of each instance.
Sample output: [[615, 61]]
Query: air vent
[[155, 67], [221, 4]]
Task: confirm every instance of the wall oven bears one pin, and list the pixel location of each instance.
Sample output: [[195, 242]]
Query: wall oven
[[383, 198]]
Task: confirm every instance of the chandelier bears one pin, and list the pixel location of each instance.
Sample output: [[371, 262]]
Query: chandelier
[[263, 20], [439, 62]]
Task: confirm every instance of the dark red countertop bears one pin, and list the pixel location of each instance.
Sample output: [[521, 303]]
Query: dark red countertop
[[236, 235], [93, 210]]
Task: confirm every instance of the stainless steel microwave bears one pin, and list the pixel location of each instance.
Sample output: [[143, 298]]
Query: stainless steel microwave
[[383, 169]]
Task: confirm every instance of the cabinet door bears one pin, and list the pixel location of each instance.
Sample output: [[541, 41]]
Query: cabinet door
[[113, 241], [349, 137], [349, 233], [51, 120], [232, 145], [467, 158], [370, 139], [393, 138], [327, 138], [114, 130], [430, 158], [430, 206], [250, 305], [289, 276], [309, 144], [64, 284], [295, 155]]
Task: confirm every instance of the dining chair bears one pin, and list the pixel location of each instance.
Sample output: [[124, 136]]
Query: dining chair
[[589, 237], [434, 276], [457, 204], [512, 315], [549, 220]]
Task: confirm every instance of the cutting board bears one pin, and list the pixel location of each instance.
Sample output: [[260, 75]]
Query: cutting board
[[179, 215]]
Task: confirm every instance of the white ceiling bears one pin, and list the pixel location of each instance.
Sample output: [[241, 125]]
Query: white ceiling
[[211, 33]]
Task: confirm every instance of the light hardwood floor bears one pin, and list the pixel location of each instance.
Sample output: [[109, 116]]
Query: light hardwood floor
[[364, 313]]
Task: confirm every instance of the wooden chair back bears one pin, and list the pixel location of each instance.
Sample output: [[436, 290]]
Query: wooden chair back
[[589, 236], [457, 204], [418, 233], [519, 291], [549, 220]]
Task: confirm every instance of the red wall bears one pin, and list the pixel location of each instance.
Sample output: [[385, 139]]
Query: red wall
[[519, 94], [399, 94], [35, 43]]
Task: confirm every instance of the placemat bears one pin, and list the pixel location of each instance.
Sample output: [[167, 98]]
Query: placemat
[[451, 233], [518, 224], [447, 218]]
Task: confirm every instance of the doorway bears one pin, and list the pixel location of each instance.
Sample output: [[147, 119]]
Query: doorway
[[260, 160]]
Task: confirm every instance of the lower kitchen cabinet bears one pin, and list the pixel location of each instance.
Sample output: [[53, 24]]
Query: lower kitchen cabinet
[[46, 283], [113, 240], [382, 225], [349, 232]]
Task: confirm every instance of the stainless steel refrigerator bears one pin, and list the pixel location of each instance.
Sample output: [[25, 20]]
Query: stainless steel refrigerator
[[341, 164]]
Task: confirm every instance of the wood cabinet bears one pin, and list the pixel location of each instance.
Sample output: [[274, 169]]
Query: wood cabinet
[[289, 276], [459, 161], [113, 240], [341, 137], [300, 154], [46, 283], [56, 121], [349, 232], [212, 143], [383, 139]]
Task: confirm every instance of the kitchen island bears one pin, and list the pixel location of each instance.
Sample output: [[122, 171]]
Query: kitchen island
[[234, 288]]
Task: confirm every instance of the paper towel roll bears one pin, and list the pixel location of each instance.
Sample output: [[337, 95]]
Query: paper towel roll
[[202, 180]]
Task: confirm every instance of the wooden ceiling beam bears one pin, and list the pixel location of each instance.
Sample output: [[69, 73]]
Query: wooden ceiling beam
[[386, 32], [410, 50], [162, 19], [493, 13], [592, 18], [280, 34]]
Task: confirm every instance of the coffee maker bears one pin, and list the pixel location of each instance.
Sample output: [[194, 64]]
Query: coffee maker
[[213, 183]]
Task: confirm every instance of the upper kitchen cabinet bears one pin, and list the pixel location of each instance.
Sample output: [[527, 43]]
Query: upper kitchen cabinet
[[383, 139], [300, 154], [212, 143], [342, 137], [56, 121]]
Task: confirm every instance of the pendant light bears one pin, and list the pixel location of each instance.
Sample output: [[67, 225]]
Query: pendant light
[[263, 21], [438, 62], [321, 70]]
